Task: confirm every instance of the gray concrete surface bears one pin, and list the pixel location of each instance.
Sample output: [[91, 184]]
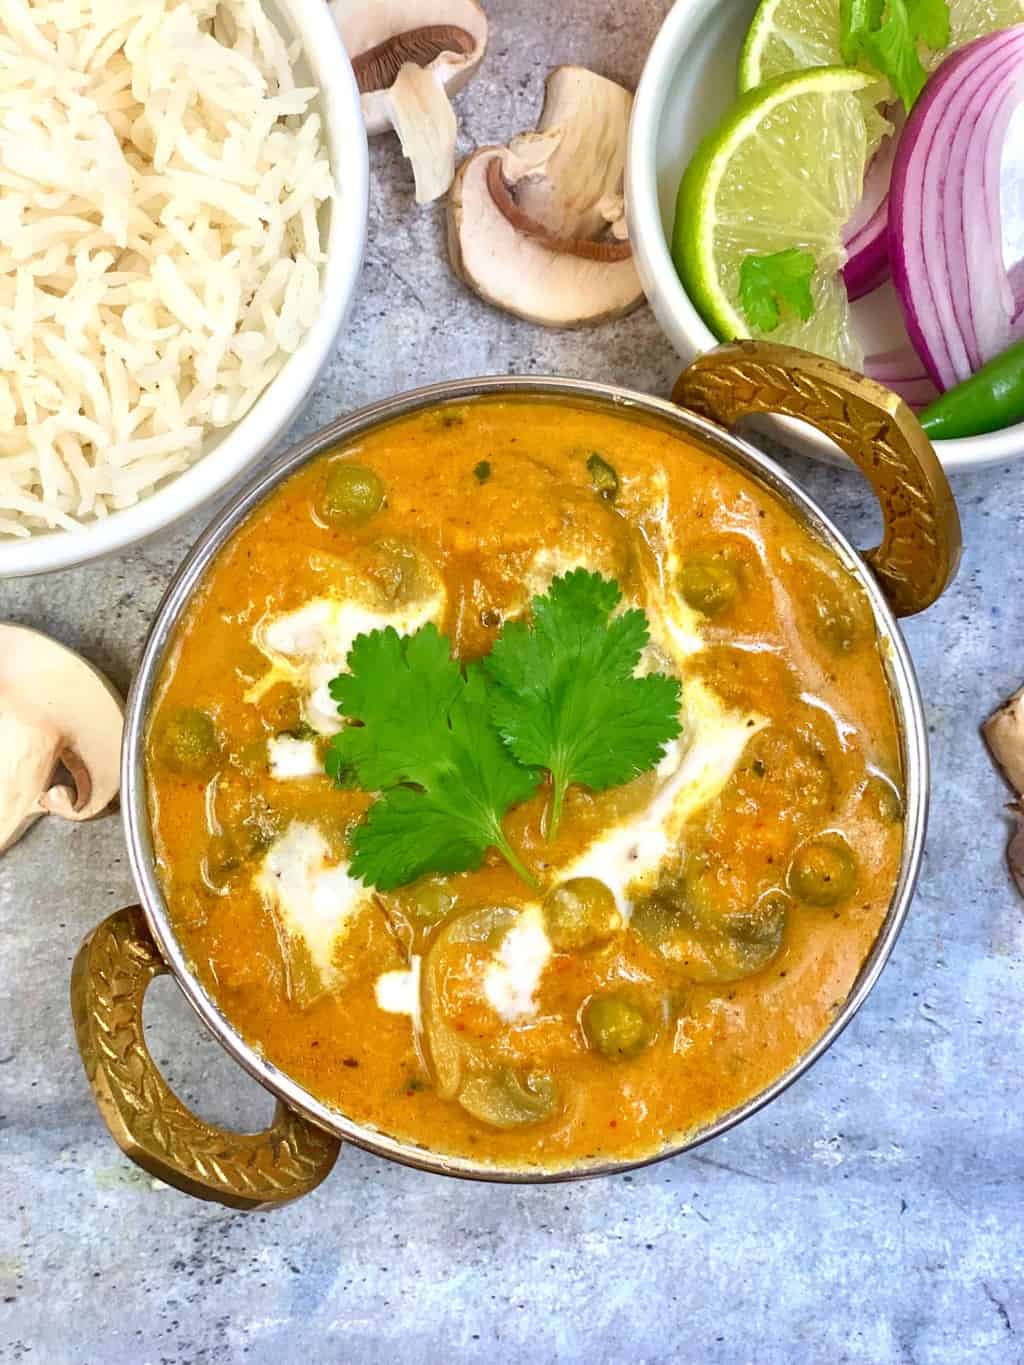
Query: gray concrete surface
[[872, 1215]]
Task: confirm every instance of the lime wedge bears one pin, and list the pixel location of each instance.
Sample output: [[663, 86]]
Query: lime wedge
[[785, 169], [792, 35]]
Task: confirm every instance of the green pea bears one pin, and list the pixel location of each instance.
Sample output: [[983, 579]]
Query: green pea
[[837, 622], [188, 744], [823, 872], [604, 477], [227, 853], [399, 570], [616, 1026], [781, 760], [281, 709], [430, 899], [351, 494], [580, 913], [884, 799], [709, 583]]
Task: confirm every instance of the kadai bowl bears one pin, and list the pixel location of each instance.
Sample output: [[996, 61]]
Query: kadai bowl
[[524, 780]]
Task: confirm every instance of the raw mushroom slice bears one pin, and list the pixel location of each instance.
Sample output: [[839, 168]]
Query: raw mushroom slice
[[57, 713], [409, 57], [1015, 848], [1004, 733], [538, 228]]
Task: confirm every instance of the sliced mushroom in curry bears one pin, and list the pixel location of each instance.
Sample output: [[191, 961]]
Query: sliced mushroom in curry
[[689, 933]]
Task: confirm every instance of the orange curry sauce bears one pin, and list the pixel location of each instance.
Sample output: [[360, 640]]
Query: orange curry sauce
[[733, 961]]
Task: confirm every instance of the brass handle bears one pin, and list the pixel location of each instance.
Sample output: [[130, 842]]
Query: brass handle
[[148, 1122], [921, 544]]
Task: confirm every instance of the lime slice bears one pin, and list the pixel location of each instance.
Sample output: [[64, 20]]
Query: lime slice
[[792, 35], [789, 35], [784, 169]]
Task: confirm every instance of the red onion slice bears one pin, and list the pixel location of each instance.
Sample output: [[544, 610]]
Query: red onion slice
[[945, 221], [993, 326], [1015, 275], [903, 371], [867, 234]]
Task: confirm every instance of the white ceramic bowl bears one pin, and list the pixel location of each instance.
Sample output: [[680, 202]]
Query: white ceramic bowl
[[688, 83], [230, 453]]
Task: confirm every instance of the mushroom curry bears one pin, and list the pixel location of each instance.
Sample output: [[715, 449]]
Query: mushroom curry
[[525, 783]]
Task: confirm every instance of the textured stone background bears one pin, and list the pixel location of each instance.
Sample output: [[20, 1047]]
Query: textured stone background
[[872, 1215]]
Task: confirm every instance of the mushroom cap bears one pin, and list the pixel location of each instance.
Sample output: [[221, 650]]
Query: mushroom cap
[[1004, 732], [56, 710], [366, 24], [590, 116], [524, 220]]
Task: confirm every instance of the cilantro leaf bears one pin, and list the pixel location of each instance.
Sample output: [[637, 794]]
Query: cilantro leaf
[[768, 281], [931, 23], [856, 18], [892, 50], [426, 742], [565, 697], [887, 34]]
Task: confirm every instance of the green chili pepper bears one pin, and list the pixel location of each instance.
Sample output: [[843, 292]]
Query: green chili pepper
[[989, 401]]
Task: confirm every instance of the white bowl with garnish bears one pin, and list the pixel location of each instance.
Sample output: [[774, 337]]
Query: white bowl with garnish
[[688, 83], [225, 452]]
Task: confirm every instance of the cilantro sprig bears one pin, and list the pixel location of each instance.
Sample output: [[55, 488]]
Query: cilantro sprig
[[767, 282], [565, 696], [888, 34], [451, 749], [425, 741]]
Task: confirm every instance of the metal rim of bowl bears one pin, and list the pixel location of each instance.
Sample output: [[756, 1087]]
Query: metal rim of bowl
[[906, 697]]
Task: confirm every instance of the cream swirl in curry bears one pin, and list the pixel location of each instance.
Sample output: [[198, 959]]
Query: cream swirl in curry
[[683, 937]]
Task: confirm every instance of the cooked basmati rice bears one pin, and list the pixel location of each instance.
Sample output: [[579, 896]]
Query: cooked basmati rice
[[160, 182]]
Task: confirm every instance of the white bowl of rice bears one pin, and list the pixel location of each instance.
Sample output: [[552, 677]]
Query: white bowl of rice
[[183, 205]]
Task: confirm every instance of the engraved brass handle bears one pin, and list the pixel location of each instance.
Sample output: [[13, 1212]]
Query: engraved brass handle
[[148, 1122], [921, 544]]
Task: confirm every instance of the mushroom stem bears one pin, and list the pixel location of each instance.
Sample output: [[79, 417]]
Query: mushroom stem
[[584, 248], [377, 68], [56, 711], [424, 120], [59, 800]]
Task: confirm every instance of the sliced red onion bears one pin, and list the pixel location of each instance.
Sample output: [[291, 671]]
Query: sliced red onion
[[868, 263], [867, 234], [1016, 277], [945, 220], [903, 371]]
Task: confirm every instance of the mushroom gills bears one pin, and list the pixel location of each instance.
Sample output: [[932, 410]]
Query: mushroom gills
[[501, 193], [378, 68], [409, 57]]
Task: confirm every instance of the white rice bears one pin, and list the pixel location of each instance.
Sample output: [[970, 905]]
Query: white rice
[[160, 181]]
